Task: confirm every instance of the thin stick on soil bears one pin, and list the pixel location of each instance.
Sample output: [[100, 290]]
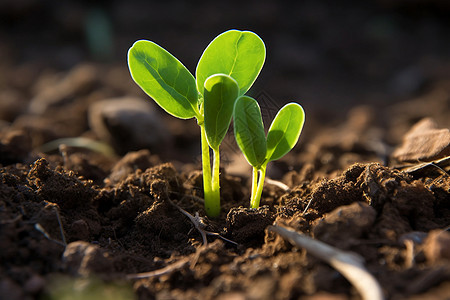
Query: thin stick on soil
[[279, 184], [160, 272], [307, 206], [219, 236], [350, 265], [439, 164], [61, 229], [178, 265], [42, 230], [200, 225]]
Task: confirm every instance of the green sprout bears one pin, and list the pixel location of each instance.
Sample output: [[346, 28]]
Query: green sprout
[[226, 70], [282, 136]]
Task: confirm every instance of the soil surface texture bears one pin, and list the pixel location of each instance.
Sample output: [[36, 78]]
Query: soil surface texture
[[79, 211], [101, 191]]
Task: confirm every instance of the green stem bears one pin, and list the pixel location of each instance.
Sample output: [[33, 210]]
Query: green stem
[[215, 210], [206, 165], [211, 194], [254, 184], [256, 197]]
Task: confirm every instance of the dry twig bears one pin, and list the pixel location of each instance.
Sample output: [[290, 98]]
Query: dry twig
[[61, 229], [42, 230], [200, 225], [178, 265], [439, 165], [279, 184], [350, 265], [160, 272]]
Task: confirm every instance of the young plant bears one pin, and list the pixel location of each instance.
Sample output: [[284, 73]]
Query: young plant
[[226, 70], [282, 136]]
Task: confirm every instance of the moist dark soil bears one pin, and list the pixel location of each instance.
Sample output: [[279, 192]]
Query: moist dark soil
[[101, 192], [84, 219]]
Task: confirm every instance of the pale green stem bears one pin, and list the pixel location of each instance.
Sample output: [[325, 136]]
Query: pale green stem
[[215, 193], [254, 184], [206, 169], [261, 174], [211, 188]]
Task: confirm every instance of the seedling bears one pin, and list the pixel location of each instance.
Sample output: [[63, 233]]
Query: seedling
[[226, 70], [282, 136]]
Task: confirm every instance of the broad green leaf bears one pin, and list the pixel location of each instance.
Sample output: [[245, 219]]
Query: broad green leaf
[[284, 131], [221, 91], [164, 78], [249, 130], [239, 54]]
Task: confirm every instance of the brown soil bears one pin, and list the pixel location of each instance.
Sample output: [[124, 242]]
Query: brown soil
[[79, 218], [74, 214]]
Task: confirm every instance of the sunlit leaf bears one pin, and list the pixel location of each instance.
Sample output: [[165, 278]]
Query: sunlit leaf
[[284, 131], [239, 54], [164, 78], [249, 130], [221, 91]]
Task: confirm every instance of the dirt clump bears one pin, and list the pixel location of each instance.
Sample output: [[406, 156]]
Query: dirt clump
[[124, 214]]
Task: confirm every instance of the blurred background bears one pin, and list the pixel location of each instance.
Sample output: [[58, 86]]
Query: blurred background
[[327, 55], [334, 52]]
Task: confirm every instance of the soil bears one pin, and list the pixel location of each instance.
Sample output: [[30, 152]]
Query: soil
[[96, 183]]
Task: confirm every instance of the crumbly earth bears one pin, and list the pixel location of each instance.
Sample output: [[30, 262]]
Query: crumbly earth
[[78, 221], [99, 187]]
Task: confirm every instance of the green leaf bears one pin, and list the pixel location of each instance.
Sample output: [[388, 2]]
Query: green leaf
[[284, 131], [221, 91], [239, 54], [249, 130], [164, 78]]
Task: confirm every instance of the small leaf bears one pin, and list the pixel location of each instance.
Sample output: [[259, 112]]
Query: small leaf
[[164, 78], [239, 54], [249, 130], [221, 91], [284, 131]]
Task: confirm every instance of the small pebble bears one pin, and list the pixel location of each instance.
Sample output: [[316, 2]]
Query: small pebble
[[128, 124]]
